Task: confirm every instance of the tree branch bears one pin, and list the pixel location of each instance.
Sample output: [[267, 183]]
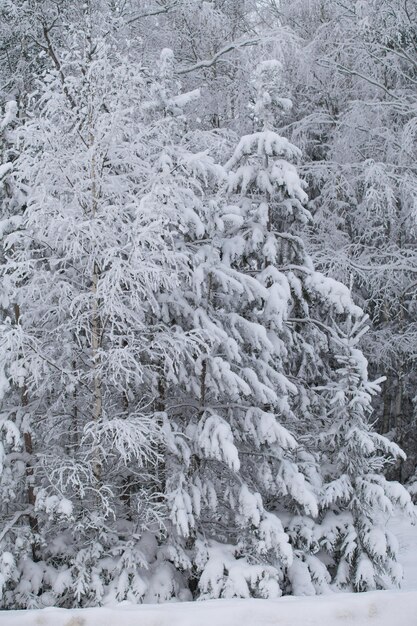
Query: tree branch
[[309, 320], [57, 64], [346, 70], [165, 9], [234, 45], [13, 521]]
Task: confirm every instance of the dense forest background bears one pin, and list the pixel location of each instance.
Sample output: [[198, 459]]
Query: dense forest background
[[208, 230]]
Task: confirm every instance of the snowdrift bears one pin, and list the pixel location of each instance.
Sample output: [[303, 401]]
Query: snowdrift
[[379, 608]]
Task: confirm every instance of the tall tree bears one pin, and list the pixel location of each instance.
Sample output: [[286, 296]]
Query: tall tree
[[86, 348], [355, 118], [263, 394]]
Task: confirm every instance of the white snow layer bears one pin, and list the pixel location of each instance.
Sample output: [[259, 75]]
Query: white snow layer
[[375, 608]]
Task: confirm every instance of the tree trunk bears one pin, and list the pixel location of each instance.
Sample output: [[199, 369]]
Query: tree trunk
[[28, 444], [95, 321]]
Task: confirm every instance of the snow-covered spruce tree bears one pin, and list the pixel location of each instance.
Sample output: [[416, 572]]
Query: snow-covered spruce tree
[[219, 392], [356, 497], [355, 76], [83, 359], [242, 484]]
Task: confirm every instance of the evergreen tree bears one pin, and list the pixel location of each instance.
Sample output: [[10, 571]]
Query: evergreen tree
[[356, 498], [355, 118], [274, 341]]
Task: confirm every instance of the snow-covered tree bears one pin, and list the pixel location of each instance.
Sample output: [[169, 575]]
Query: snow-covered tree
[[355, 118], [356, 498], [85, 352], [249, 488]]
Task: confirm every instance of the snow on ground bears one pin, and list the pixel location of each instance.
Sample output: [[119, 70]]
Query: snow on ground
[[377, 608]]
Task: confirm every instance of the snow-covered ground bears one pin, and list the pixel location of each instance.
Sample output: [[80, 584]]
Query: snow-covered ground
[[379, 608]]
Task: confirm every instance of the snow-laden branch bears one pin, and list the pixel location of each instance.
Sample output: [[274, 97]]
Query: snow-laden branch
[[49, 48], [234, 45], [309, 320], [351, 72], [161, 10], [5, 169], [16, 517], [390, 267]]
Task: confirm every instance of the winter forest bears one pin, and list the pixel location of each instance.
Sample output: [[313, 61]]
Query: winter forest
[[208, 298]]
